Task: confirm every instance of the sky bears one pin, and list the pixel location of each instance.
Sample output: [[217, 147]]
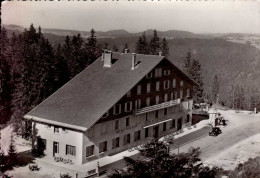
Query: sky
[[135, 16]]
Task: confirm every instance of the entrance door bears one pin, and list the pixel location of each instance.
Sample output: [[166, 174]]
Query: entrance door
[[179, 124], [55, 148], [156, 131]]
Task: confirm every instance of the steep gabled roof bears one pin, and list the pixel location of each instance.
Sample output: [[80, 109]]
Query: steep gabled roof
[[85, 98]]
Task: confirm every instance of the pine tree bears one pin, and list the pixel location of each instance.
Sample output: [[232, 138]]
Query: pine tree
[[125, 48], [92, 50], [215, 89], [12, 153], [154, 45], [6, 80], [61, 68], [165, 48], [188, 64], [192, 68], [115, 49], [142, 46]]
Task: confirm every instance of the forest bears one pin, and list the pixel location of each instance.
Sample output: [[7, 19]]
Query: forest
[[32, 69]]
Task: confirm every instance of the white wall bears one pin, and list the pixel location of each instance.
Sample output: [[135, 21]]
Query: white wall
[[72, 138]]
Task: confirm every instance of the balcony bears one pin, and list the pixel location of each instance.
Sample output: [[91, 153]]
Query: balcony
[[157, 106]]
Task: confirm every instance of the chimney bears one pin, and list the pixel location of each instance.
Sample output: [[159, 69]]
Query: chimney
[[133, 61], [160, 53], [107, 56], [126, 50]]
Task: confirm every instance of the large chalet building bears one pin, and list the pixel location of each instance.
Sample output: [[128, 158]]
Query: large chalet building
[[120, 101]]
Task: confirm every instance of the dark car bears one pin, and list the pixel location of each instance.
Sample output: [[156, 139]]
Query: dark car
[[215, 131]]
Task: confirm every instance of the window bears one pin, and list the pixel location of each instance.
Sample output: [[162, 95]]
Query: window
[[89, 150], [174, 83], [102, 146], [156, 114], [158, 72], [128, 94], [157, 99], [93, 171], [172, 96], [116, 124], [188, 92], [158, 86], [148, 101], [128, 106], [175, 95], [56, 129], [126, 139], [71, 150], [181, 83], [148, 88], [166, 72], [181, 93], [117, 109], [115, 142], [166, 84], [165, 111], [173, 123], [103, 128], [149, 75], [138, 89], [146, 132], [137, 135], [165, 97], [164, 126], [146, 116], [127, 121], [105, 115], [138, 104], [64, 130]]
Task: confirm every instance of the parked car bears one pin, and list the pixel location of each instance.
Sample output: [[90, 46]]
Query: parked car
[[215, 131]]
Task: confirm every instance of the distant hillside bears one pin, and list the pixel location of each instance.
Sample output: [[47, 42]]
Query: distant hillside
[[171, 34], [233, 62]]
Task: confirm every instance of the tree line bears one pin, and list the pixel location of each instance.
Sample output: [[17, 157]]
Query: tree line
[[32, 69]]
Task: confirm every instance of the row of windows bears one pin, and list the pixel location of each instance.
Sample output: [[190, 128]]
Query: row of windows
[[115, 143], [126, 138], [166, 85], [158, 73], [128, 106]]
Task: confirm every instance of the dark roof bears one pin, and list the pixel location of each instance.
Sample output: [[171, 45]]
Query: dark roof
[[85, 98]]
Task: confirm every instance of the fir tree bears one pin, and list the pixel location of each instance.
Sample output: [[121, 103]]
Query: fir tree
[[154, 45], [6, 80], [142, 46], [115, 49], [61, 68], [12, 153], [165, 48], [93, 51], [125, 48], [215, 89]]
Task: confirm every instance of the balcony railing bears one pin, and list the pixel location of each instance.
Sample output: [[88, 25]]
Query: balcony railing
[[157, 106]]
